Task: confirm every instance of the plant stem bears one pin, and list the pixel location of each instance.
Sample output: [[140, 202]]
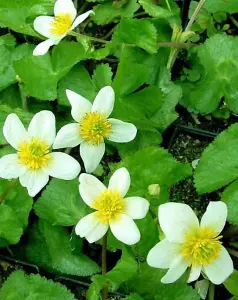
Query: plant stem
[[104, 265], [177, 45], [82, 8], [106, 36], [73, 33], [23, 97], [234, 21], [140, 14], [9, 187], [233, 252], [194, 16], [211, 292]]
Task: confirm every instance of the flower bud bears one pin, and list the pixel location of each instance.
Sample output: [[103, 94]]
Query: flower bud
[[154, 189]]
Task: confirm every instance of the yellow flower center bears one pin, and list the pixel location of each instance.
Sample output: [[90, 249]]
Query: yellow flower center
[[202, 247], [34, 153], [94, 127], [109, 205], [61, 24]]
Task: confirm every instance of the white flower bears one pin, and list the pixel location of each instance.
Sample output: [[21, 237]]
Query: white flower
[[188, 244], [93, 127], [112, 209], [56, 28], [34, 163]]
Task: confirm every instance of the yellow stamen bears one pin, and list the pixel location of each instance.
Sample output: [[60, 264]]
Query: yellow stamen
[[202, 247], [109, 205], [94, 127], [34, 153], [61, 24]]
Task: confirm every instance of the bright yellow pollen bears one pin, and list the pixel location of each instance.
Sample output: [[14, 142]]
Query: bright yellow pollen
[[202, 247], [109, 205], [61, 24], [34, 153], [94, 127]]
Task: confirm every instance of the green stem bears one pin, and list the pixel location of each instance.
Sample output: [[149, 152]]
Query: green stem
[[194, 15], [106, 36], [232, 252], [9, 187], [211, 292], [82, 8], [140, 14], [73, 33], [104, 265], [234, 21], [23, 97]]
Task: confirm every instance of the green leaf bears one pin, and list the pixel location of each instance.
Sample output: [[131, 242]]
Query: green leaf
[[14, 212], [40, 74], [107, 12], [20, 286], [133, 297], [124, 270], [147, 284], [153, 165], [231, 283], [142, 33], [60, 203], [102, 76], [219, 162], [230, 197], [19, 15], [5, 111], [11, 96], [79, 81], [219, 59], [49, 248], [229, 6]]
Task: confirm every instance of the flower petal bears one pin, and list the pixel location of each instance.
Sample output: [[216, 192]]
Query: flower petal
[[97, 232], [122, 132], [163, 254], [220, 269], [43, 126], [91, 155], [81, 18], [104, 101], [125, 230], [195, 273], [68, 136], [86, 224], [175, 221], [10, 167], [137, 207], [63, 166], [14, 131], [64, 7], [43, 47], [80, 105], [90, 188], [176, 270], [34, 181], [215, 216], [120, 181], [42, 25]]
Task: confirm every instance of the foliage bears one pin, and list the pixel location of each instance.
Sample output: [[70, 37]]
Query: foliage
[[231, 285]]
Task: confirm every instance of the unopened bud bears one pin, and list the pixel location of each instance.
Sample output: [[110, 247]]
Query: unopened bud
[[18, 79], [154, 189], [99, 171]]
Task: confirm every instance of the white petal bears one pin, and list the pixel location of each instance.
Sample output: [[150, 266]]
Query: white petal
[[81, 18], [125, 230], [43, 25], [97, 232], [34, 181], [120, 181], [194, 273], [136, 207], [176, 219], [63, 166], [86, 224], [215, 216], [163, 254], [104, 101], [43, 47], [122, 132], [68, 136], [90, 188], [43, 126], [220, 269], [64, 7], [91, 155], [80, 105], [10, 167], [14, 131], [176, 270]]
